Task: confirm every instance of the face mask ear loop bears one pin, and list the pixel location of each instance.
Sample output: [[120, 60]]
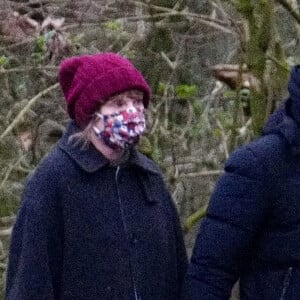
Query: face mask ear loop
[[96, 130], [99, 115]]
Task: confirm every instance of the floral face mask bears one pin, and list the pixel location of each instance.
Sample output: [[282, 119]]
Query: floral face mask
[[122, 129]]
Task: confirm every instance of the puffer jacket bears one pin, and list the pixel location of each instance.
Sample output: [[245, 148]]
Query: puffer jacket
[[87, 230], [252, 228]]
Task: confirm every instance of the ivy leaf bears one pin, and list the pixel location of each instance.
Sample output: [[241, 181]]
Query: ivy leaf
[[185, 91], [229, 94], [49, 35], [3, 60], [40, 45], [244, 94], [217, 133], [161, 88], [112, 25]]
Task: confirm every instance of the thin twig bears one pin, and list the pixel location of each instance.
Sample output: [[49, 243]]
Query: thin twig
[[203, 19], [224, 137], [26, 108], [5, 232], [200, 174], [8, 220], [27, 69], [182, 12], [16, 45], [128, 45], [195, 218], [10, 169], [2, 265], [210, 23], [290, 9], [278, 63], [172, 65]]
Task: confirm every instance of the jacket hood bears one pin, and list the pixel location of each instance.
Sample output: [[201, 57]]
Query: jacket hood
[[294, 91], [285, 121]]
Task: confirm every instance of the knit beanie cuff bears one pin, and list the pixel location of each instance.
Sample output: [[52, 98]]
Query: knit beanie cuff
[[101, 88], [88, 81]]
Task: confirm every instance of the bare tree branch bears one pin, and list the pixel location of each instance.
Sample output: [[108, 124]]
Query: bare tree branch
[[290, 9], [203, 19], [26, 108], [200, 174], [28, 69]]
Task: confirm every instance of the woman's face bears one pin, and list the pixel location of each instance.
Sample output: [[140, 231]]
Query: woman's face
[[129, 99], [120, 102], [121, 120]]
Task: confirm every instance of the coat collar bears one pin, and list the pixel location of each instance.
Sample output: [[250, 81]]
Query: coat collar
[[91, 160]]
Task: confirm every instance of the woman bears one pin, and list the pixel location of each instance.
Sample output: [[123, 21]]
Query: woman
[[96, 221]]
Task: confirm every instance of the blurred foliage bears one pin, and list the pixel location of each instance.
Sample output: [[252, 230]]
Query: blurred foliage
[[185, 91]]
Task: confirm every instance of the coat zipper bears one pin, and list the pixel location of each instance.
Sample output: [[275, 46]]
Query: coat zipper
[[126, 233], [286, 282]]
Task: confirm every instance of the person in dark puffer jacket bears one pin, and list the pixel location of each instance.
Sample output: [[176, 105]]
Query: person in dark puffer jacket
[[96, 220], [252, 228]]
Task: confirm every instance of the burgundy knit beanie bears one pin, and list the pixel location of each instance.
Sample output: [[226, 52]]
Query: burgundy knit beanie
[[88, 81]]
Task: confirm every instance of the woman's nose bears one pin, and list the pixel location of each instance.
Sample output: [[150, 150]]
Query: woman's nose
[[131, 103], [131, 108]]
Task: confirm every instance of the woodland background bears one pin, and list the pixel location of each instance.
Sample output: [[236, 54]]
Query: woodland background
[[217, 68]]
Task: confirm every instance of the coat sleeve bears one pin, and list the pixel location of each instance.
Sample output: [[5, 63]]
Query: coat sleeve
[[236, 211], [35, 255]]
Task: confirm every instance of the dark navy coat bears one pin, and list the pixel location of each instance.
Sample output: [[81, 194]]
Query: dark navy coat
[[87, 230], [252, 228]]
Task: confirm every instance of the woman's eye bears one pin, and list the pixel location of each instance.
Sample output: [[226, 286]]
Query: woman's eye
[[138, 101], [120, 103]]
